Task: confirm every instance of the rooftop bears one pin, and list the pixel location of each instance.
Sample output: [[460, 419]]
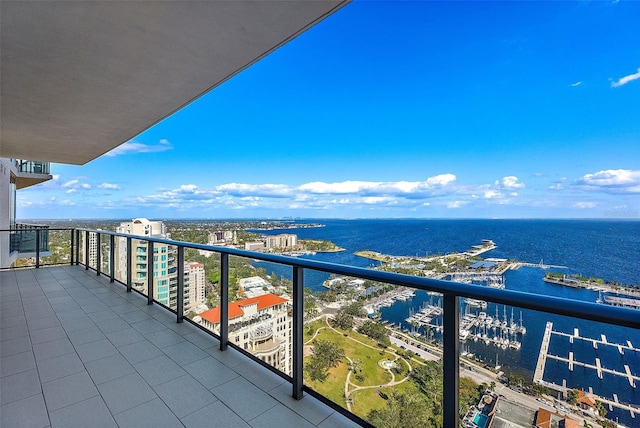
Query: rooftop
[[78, 350]]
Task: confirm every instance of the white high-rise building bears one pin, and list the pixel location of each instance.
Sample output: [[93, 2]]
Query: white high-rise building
[[284, 240], [195, 277], [164, 258], [260, 325]]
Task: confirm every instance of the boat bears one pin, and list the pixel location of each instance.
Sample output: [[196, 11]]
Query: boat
[[475, 303]]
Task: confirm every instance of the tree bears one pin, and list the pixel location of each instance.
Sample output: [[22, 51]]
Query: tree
[[405, 411], [355, 309], [342, 320], [326, 354], [310, 308], [376, 331]]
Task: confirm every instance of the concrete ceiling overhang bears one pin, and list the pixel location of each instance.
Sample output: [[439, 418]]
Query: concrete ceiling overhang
[[79, 78]]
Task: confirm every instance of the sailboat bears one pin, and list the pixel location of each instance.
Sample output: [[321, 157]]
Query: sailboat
[[498, 366]]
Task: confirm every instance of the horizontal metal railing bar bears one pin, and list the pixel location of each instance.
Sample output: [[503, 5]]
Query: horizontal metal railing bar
[[555, 305]]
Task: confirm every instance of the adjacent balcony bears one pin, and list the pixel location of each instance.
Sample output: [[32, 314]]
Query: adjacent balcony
[[81, 346], [29, 172]]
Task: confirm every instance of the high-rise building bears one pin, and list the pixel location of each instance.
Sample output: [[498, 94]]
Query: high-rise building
[[164, 259], [284, 240], [195, 277], [260, 325]]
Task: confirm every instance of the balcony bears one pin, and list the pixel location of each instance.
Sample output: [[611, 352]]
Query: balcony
[[29, 173], [129, 358]]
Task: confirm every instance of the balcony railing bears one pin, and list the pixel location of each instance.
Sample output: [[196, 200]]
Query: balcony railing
[[30, 240], [31, 167], [451, 293]]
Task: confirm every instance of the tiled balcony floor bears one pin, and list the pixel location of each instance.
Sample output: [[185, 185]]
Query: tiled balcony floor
[[78, 351]]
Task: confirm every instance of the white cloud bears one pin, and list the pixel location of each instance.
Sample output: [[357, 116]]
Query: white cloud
[[510, 182], [132, 147], [626, 79], [491, 194], [441, 180], [457, 204], [74, 185], [109, 186], [267, 190], [584, 205], [576, 84], [611, 181]]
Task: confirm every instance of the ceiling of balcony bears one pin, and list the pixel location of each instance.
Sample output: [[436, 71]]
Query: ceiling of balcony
[[80, 78]]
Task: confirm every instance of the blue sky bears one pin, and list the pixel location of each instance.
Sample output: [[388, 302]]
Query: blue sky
[[396, 109]]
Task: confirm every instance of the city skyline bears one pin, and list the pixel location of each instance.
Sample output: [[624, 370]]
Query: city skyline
[[416, 109]]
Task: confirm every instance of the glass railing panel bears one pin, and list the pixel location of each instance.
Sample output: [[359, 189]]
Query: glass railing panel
[[531, 364], [140, 271], [259, 314], [8, 247], [55, 247], [121, 259], [202, 285], [82, 259], [384, 368], [105, 254]]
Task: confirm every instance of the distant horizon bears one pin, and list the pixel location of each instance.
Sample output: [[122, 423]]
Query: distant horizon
[[612, 218], [395, 110]]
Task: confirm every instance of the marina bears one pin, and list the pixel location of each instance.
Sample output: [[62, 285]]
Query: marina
[[477, 327]]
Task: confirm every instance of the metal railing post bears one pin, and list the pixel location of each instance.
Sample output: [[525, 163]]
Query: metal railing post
[[71, 248], [77, 247], [450, 361], [224, 301], [129, 259], [86, 250], [298, 326], [112, 257], [98, 253], [37, 230], [150, 263], [180, 304]]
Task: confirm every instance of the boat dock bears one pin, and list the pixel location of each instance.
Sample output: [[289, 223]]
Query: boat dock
[[541, 265], [595, 342], [597, 367], [571, 362], [542, 356]]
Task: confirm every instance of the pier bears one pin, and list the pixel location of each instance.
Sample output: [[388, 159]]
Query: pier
[[541, 265], [595, 342], [542, 357], [571, 362]]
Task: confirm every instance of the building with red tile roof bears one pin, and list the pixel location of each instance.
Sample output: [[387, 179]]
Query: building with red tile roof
[[260, 325]]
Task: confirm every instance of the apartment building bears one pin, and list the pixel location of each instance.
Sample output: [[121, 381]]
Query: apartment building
[[164, 259], [260, 325], [223, 237], [284, 240], [195, 278], [19, 239]]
